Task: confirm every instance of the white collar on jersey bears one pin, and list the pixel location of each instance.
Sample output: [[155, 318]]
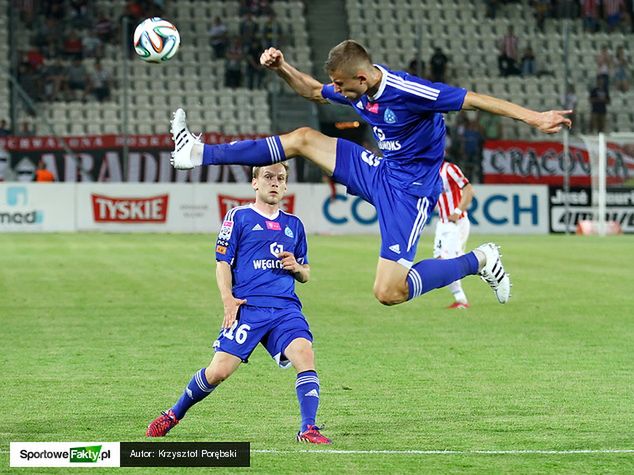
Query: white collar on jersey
[[381, 86], [272, 217]]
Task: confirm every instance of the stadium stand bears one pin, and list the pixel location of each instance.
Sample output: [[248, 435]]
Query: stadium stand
[[192, 78], [470, 40]]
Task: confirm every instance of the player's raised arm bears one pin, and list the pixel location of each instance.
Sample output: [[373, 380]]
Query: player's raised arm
[[303, 84], [549, 122], [229, 302]]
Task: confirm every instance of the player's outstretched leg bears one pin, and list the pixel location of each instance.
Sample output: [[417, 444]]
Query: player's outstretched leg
[[190, 152], [493, 272], [484, 261]]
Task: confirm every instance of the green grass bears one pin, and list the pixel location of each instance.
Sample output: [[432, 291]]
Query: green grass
[[100, 332]]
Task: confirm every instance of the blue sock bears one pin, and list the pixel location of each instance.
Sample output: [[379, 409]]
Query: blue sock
[[197, 390], [255, 153], [436, 273], [307, 388]]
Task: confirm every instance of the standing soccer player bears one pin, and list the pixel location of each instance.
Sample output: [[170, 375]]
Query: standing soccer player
[[405, 113], [452, 229], [261, 251]]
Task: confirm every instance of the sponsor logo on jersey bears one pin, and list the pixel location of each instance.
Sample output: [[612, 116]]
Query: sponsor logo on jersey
[[395, 248], [257, 227], [221, 249], [107, 209], [276, 249], [273, 226], [389, 116], [389, 145], [288, 231], [226, 230], [226, 202], [373, 107], [265, 264]]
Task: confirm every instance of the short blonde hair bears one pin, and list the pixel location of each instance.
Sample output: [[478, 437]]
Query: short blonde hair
[[346, 56]]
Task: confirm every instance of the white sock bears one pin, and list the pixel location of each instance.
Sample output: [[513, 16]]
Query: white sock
[[458, 293], [482, 258]]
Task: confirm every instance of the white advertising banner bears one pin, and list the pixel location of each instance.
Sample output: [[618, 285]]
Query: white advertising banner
[[34, 207], [200, 207]]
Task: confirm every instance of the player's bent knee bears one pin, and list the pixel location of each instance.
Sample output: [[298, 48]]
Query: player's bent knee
[[217, 375], [390, 295]]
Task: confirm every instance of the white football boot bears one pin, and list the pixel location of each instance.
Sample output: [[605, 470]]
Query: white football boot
[[493, 272], [184, 140]]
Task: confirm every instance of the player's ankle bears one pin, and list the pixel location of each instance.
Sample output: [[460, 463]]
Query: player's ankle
[[196, 154], [481, 257]]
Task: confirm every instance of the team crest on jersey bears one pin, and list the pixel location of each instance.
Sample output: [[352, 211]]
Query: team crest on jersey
[[389, 116], [288, 231], [226, 230]]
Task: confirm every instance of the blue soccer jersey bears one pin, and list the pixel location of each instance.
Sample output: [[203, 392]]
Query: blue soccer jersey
[[250, 242], [407, 122]]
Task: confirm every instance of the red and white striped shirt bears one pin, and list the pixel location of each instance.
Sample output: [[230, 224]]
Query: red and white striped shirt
[[453, 181], [612, 7]]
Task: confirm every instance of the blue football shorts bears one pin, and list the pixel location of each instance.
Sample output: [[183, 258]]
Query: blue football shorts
[[275, 328], [401, 215]]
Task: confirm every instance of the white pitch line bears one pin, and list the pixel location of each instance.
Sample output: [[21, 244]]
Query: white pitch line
[[446, 452]]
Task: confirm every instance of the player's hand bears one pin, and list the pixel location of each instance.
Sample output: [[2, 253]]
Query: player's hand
[[231, 311], [289, 262], [454, 217], [550, 122], [272, 58]]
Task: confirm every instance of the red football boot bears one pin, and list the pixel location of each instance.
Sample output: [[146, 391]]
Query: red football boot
[[162, 424], [312, 436], [459, 305]]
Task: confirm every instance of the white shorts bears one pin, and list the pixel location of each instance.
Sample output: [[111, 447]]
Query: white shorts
[[451, 238]]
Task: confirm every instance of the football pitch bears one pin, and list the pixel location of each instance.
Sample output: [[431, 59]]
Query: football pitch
[[100, 332]]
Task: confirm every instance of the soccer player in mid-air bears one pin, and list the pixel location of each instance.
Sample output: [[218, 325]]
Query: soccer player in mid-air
[[260, 252], [452, 229], [405, 113]]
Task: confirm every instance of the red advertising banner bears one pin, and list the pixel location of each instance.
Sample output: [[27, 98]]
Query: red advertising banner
[[106, 209], [519, 162], [100, 159]]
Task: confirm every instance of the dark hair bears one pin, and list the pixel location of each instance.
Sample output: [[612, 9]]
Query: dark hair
[[346, 56], [256, 170]]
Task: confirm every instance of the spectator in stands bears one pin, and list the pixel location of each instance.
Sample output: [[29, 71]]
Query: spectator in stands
[[218, 38], [42, 174], [73, 47], [621, 70], [249, 29], [233, 65], [613, 11], [54, 9], [438, 65], [80, 15], [272, 32], [34, 57], [599, 100], [4, 129], [55, 80], [590, 13], [255, 71], [104, 29], [100, 81], [29, 80], [604, 66], [417, 67], [77, 80], [491, 8], [473, 140], [542, 11], [491, 126], [25, 130], [508, 53], [528, 61], [569, 102], [91, 44]]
